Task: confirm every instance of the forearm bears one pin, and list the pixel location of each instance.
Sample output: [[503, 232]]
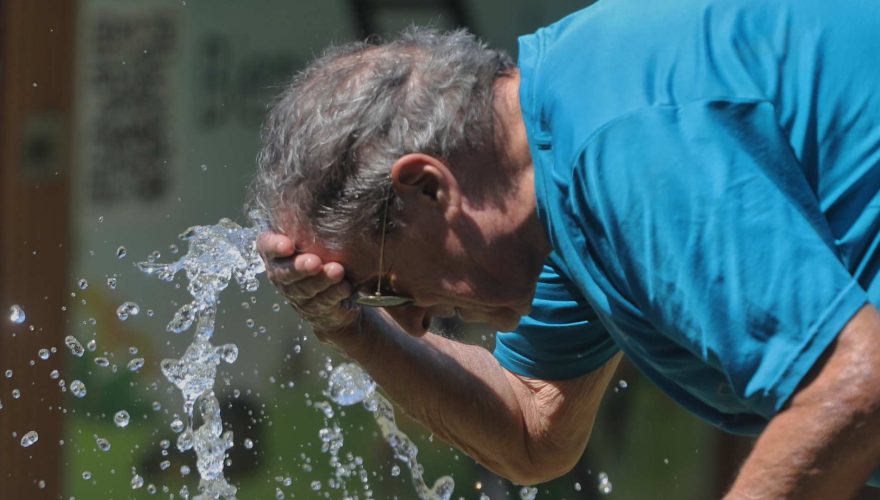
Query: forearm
[[827, 443], [465, 397]]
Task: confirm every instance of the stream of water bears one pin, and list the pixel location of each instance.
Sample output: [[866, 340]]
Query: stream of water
[[215, 256]]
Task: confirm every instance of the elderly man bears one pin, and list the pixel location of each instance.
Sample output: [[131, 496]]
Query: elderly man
[[691, 183]]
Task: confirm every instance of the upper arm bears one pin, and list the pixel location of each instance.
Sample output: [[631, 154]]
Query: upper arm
[[824, 444]]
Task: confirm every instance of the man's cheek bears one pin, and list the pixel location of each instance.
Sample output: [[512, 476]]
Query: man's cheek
[[413, 320]]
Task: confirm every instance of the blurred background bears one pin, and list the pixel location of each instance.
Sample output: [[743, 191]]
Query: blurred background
[[124, 123]]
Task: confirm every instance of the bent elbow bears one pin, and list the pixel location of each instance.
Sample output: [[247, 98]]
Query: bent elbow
[[529, 472]]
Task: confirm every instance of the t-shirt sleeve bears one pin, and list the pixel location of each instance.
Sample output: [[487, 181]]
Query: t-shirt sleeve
[[707, 222], [560, 339]]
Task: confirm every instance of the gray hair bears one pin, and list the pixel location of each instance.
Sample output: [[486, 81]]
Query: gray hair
[[331, 137]]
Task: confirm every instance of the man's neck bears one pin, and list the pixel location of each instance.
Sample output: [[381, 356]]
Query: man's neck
[[516, 158]]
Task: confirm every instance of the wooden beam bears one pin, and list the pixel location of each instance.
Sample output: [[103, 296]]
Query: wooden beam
[[36, 97]]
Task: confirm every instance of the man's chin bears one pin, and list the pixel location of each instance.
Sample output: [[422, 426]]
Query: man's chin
[[502, 321], [506, 324]]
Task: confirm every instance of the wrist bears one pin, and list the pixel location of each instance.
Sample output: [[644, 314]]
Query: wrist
[[347, 336]]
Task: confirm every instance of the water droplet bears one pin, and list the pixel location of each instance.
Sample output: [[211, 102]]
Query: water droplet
[[29, 439], [605, 485], [203, 166], [165, 464], [132, 350], [184, 470], [43, 354], [528, 493], [102, 443], [77, 388], [102, 362], [86, 475], [16, 394], [82, 284], [54, 374], [16, 314], [185, 440], [395, 470], [127, 309], [276, 307], [279, 495], [111, 282], [622, 384], [136, 482], [176, 424], [92, 345], [8, 374], [577, 486], [121, 418], [75, 347], [349, 384], [229, 353], [121, 252], [135, 364], [248, 444], [316, 485]]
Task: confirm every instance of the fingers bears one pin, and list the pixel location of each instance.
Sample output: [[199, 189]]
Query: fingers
[[305, 290], [272, 245], [328, 298], [317, 290], [305, 276]]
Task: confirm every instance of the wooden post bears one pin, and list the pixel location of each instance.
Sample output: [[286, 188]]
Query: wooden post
[[36, 97]]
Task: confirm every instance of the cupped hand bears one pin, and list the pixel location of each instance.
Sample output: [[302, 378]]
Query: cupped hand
[[316, 289]]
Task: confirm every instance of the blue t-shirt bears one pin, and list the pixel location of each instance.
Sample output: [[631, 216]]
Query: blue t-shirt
[[707, 173]]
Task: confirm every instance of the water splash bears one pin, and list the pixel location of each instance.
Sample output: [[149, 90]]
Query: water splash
[[349, 385], [345, 468], [216, 255]]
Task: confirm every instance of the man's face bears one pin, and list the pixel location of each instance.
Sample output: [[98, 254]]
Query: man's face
[[455, 255]]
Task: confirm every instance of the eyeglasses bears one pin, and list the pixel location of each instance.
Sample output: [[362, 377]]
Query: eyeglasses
[[377, 299]]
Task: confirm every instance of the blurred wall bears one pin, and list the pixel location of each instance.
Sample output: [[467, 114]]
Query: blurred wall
[[169, 96]]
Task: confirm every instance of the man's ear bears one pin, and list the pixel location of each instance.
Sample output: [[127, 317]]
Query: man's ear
[[426, 181]]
